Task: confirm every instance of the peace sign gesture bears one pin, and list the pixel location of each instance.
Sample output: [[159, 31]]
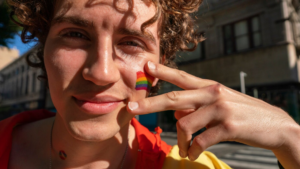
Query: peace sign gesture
[[228, 115]]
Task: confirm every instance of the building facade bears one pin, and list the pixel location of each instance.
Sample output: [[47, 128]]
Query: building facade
[[20, 89], [258, 37]]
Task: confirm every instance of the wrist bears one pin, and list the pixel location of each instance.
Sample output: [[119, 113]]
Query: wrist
[[288, 152]]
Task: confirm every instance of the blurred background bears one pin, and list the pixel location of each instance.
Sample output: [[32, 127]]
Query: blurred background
[[252, 46]]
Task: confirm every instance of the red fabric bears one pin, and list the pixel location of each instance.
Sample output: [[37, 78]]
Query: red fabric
[[151, 154], [7, 126], [152, 150]]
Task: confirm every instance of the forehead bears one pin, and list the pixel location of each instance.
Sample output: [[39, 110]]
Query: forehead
[[126, 11]]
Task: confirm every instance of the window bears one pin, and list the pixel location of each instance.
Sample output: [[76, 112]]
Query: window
[[242, 35]]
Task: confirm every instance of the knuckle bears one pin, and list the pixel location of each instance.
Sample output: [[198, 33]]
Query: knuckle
[[173, 96], [229, 127], [182, 73], [199, 142], [183, 125], [216, 89], [223, 106]]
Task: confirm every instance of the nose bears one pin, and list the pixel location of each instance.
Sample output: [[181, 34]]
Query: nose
[[101, 68]]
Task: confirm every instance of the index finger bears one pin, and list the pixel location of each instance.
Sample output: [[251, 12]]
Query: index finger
[[175, 100], [177, 77]]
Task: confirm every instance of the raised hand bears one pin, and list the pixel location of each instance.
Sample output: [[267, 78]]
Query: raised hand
[[228, 115]]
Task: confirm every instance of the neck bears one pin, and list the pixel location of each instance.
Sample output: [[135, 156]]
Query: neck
[[91, 154]]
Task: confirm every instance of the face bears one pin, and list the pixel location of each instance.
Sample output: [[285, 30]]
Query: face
[[92, 54]]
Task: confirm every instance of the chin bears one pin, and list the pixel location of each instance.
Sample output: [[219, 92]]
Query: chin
[[99, 128], [92, 131]]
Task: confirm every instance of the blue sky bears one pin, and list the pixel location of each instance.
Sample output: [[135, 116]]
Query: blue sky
[[17, 43]]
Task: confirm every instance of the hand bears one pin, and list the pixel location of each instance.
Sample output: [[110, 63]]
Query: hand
[[228, 115]]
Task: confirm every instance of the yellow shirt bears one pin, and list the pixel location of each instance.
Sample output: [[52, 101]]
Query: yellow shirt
[[206, 160]]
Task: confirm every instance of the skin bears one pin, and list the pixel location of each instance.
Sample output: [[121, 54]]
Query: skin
[[92, 52], [89, 61], [227, 114]]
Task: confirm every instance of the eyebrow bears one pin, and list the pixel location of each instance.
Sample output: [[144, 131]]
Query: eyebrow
[[147, 35], [78, 21], [73, 20]]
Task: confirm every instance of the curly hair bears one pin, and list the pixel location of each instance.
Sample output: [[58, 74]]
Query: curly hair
[[178, 30]]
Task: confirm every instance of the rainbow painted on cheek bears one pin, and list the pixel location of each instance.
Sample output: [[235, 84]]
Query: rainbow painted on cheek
[[143, 81]]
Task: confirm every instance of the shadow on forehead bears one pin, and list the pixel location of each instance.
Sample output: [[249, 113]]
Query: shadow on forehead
[[122, 6], [64, 9]]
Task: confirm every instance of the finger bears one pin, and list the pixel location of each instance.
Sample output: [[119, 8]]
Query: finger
[[177, 77], [190, 124], [183, 140], [181, 113], [175, 100], [206, 139]]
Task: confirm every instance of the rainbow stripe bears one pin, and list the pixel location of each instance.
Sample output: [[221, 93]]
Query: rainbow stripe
[[143, 81]]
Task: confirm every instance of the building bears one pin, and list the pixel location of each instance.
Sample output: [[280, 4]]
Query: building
[[258, 37], [7, 56], [19, 88]]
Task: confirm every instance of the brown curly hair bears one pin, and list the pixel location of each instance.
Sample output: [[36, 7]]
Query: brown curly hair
[[177, 28]]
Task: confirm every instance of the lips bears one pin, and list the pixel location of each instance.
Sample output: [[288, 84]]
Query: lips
[[98, 105]]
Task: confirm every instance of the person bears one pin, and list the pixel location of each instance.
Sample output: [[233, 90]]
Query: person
[[94, 52]]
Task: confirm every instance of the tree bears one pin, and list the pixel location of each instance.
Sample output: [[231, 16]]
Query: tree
[[8, 29]]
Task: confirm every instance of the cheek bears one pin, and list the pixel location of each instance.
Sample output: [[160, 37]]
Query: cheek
[[62, 66], [134, 78], [130, 66]]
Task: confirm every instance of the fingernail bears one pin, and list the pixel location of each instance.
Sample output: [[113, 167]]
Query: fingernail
[[151, 65], [133, 105]]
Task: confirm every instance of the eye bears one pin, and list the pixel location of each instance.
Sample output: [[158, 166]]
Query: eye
[[74, 34], [132, 44]]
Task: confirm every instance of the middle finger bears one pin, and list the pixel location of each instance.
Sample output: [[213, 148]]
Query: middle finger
[[175, 100]]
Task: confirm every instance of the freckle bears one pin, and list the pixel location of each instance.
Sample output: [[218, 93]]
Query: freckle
[[105, 25]]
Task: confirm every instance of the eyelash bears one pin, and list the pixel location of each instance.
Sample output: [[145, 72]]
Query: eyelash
[[74, 34], [133, 44]]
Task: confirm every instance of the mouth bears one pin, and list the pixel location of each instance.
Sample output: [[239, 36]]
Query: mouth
[[99, 105]]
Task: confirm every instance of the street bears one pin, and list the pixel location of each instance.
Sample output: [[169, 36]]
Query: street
[[239, 156]]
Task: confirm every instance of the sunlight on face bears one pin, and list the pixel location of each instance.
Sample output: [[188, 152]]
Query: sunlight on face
[[92, 54]]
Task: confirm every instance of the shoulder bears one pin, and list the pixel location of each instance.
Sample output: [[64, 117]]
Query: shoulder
[[25, 117], [12, 130], [8, 125], [205, 160], [29, 142]]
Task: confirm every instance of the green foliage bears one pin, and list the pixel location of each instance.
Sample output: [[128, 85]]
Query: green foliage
[[8, 29]]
